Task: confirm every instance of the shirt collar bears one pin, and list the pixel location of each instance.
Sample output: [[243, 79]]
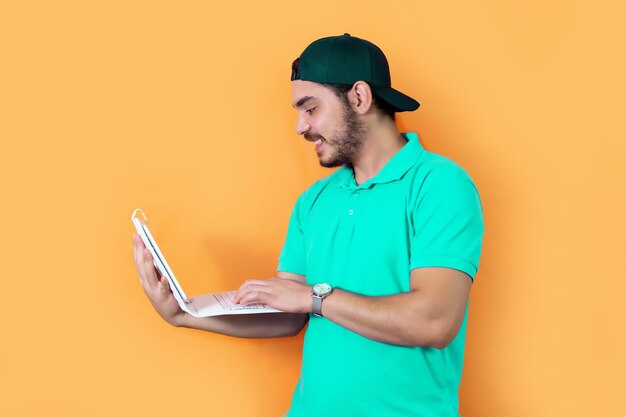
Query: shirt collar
[[393, 170]]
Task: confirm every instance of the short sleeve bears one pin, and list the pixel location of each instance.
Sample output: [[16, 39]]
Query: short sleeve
[[292, 257], [447, 221]]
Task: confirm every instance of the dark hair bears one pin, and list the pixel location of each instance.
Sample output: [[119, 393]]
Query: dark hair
[[341, 91]]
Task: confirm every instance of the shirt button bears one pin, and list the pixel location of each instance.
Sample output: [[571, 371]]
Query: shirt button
[[350, 212]]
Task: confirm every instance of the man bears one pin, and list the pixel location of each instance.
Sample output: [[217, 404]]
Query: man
[[379, 256]]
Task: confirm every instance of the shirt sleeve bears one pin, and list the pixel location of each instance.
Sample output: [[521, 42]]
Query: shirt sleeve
[[447, 221], [292, 257]]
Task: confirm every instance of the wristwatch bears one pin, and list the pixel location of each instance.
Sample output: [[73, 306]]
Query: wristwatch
[[318, 293]]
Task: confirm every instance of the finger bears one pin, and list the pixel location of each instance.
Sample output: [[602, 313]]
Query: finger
[[254, 294], [135, 247], [250, 282], [149, 271], [139, 264], [253, 297], [138, 241], [243, 293], [238, 294], [144, 281], [245, 290], [164, 286], [136, 250], [158, 273]]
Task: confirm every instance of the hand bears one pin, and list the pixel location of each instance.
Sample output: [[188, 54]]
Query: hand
[[155, 286], [282, 294]]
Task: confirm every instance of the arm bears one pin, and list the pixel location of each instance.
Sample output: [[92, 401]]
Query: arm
[[158, 292], [429, 315], [249, 325]]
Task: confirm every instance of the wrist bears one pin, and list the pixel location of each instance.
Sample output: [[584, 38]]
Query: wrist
[[179, 319], [319, 293]]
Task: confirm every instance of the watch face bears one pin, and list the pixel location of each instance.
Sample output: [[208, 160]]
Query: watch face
[[322, 288]]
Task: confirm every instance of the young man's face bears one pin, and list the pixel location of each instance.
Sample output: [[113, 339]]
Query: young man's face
[[328, 121]]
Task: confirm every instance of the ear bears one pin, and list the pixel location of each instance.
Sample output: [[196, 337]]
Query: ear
[[361, 97]]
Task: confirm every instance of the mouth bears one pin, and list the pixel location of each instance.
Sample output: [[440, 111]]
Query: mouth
[[317, 140], [311, 137], [319, 144]]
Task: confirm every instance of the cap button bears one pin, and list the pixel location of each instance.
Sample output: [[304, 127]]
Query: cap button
[[346, 34]]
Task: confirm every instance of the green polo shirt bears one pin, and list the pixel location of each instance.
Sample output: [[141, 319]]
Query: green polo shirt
[[420, 210]]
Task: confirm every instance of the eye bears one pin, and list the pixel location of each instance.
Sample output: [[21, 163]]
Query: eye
[[311, 110]]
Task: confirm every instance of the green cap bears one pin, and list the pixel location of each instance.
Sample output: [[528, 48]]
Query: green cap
[[346, 59]]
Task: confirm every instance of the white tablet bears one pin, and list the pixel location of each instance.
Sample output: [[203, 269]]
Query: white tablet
[[159, 260], [199, 306]]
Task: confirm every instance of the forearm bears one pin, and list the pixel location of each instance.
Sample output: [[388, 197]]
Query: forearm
[[402, 319], [248, 325]]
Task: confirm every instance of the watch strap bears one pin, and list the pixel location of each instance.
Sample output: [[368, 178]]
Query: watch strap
[[317, 305]]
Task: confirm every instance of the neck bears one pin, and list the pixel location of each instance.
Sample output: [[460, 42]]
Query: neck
[[382, 142]]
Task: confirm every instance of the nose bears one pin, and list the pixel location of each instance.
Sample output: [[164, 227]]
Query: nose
[[302, 126]]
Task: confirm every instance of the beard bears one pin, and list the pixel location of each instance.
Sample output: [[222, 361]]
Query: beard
[[346, 141]]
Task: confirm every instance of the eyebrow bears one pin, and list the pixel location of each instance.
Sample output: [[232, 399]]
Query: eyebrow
[[303, 101]]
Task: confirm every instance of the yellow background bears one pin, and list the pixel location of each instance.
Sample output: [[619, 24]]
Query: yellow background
[[183, 109]]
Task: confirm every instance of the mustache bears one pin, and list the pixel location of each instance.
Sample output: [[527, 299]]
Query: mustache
[[312, 137]]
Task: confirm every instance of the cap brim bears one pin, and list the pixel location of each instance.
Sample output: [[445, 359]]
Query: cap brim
[[400, 102]]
